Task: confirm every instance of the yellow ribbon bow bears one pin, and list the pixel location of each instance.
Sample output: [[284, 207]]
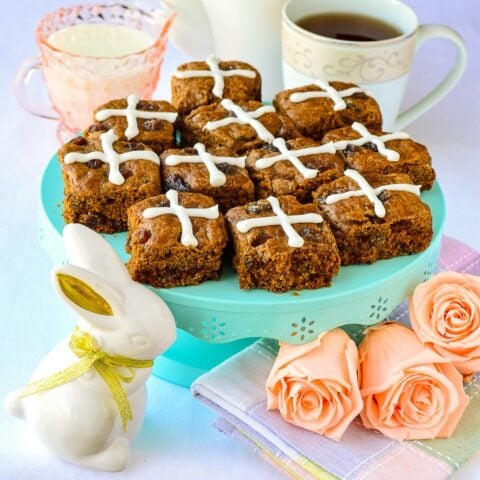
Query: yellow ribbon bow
[[85, 348]]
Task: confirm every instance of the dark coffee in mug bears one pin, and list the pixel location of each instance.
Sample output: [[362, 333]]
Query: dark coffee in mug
[[348, 26]]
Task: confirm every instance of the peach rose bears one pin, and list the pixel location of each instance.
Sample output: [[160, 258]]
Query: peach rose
[[409, 391], [445, 314], [315, 386]]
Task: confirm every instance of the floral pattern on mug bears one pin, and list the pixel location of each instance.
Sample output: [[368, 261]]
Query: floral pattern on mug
[[445, 314], [409, 391], [315, 386]]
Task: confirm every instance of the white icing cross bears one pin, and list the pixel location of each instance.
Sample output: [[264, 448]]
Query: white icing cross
[[132, 114], [217, 74], [217, 178], [244, 118], [293, 157], [378, 141], [329, 92], [282, 219], [110, 156], [371, 193], [183, 214]]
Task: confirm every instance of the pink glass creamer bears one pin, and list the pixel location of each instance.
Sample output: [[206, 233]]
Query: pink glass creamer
[[91, 54]]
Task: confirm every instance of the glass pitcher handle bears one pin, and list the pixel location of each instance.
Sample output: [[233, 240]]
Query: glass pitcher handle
[[22, 87]]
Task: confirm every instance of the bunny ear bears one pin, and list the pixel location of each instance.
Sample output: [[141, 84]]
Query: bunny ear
[[91, 251], [94, 299]]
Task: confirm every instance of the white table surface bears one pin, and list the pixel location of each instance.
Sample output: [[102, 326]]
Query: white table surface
[[177, 440]]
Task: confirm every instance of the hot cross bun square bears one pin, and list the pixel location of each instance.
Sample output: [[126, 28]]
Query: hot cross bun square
[[398, 223], [219, 125], [195, 84], [154, 127], [167, 252], [217, 173], [316, 115], [275, 172], [270, 257], [402, 155], [95, 197]]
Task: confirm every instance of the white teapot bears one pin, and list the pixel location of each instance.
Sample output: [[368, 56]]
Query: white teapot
[[86, 399], [246, 30]]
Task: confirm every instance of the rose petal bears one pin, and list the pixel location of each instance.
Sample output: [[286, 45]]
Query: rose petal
[[445, 314], [385, 362], [457, 381], [315, 386], [421, 401]]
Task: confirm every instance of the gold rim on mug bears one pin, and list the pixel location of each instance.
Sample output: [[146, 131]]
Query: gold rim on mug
[[354, 43]]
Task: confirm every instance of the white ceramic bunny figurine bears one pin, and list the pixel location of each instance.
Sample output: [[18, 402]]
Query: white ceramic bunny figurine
[[123, 325]]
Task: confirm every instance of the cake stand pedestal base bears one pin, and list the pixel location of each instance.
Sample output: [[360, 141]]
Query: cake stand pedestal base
[[190, 357]]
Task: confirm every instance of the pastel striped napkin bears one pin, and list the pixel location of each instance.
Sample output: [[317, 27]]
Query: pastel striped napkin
[[236, 390]]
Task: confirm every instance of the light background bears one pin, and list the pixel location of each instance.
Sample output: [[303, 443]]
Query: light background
[[177, 440]]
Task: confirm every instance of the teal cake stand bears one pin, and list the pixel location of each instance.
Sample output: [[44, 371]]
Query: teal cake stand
[[215, 320]]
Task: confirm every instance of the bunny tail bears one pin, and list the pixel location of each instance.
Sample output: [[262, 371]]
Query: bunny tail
[[13, 404], [113, 459]]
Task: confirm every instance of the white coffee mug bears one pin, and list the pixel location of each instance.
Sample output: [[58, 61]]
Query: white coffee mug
[[246, 30], [382, 66]]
